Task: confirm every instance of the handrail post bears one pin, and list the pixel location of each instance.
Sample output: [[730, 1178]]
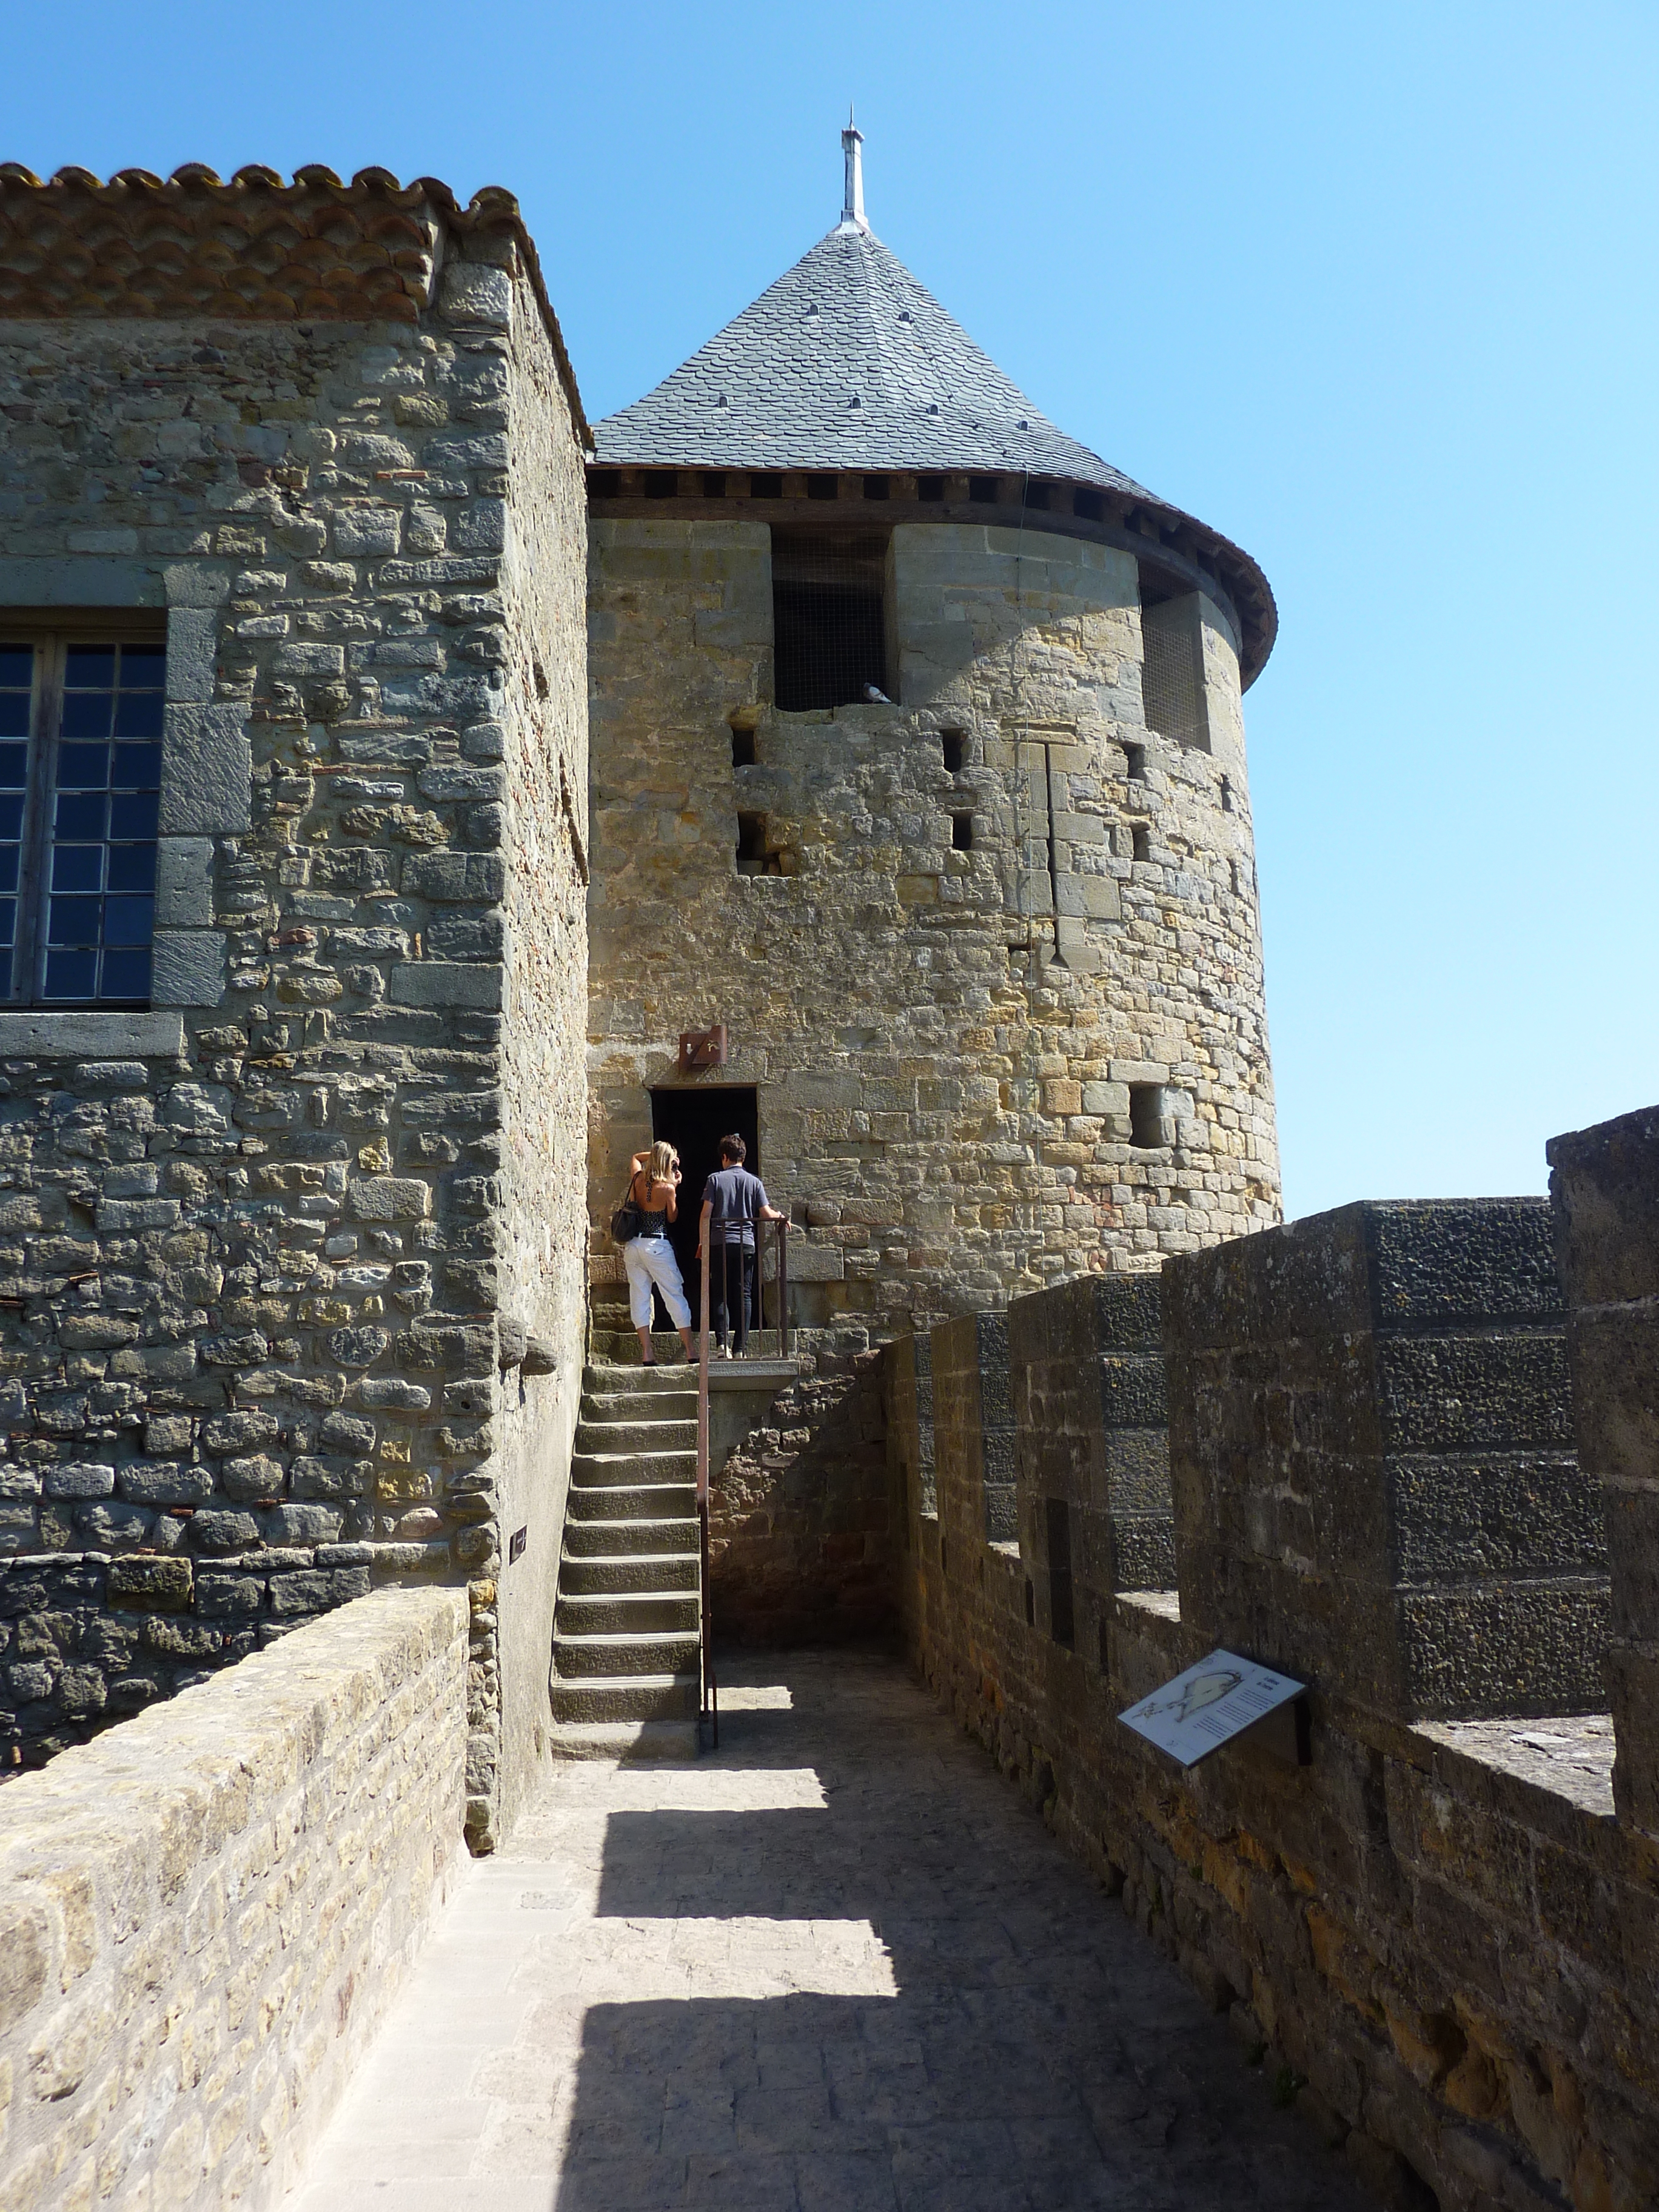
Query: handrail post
[[708, 1702], [786, 1335]]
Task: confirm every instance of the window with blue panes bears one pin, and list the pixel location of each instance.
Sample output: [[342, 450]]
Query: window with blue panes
[[80, 786]]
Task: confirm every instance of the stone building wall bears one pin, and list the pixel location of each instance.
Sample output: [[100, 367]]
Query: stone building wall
[[1435, 1936], [266, 1247], [944, 1102], [1604, 1191], [207, 1915]]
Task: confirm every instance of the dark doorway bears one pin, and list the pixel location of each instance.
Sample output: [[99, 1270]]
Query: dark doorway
[[694, 1120]]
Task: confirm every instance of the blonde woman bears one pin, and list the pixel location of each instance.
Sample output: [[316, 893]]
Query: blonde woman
[[653, 1184]]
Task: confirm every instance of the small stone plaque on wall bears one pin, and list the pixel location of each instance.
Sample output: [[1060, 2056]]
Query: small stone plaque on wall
[[1212, 1702]]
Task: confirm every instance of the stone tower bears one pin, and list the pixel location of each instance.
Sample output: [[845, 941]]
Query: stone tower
[[917, 763]]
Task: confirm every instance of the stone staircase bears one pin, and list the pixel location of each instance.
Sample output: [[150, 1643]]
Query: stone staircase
[[626, 1649]]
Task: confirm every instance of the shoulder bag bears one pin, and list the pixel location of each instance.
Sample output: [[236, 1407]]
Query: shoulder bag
[[629, 1219]]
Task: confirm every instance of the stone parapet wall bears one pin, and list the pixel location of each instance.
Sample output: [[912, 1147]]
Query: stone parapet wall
[[1371, 1449], [1435, 1938], [205, 1915], [1091, 1429], [1604, 1186]]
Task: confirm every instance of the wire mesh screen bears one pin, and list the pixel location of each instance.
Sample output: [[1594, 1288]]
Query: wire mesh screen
[[1172, 672], [827, 628]]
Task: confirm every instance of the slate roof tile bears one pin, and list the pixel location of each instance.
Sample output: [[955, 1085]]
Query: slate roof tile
[[846, 363]]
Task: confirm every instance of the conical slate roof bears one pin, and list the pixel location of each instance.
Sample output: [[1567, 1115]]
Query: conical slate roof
[[846, 363]]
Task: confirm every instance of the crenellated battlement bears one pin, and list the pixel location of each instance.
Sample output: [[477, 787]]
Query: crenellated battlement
[[1437, 1932]]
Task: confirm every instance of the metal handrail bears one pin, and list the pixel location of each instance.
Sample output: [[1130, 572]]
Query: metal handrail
[[709, 1713]]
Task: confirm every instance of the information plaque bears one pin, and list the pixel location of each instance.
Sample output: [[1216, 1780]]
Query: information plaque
[[1209, 1704]]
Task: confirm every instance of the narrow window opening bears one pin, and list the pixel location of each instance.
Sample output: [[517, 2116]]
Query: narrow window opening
[[743, 747], [751, 845], [1140, 843], [951, 742], [1134, 764], [1061, 1625], [961, 833], [1172, 666], [765, 487], [661, 483], [1030, 1604], [875, 487], [1233, 865], [828, 623], [1226, 795], [713, 484], [930, 487], [983, 489], [1146, 1117], [605, 483], [1037, 498], [821, 487], [1090, 505]]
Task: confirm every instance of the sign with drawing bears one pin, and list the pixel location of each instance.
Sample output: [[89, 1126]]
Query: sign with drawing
[[1209, 1704]]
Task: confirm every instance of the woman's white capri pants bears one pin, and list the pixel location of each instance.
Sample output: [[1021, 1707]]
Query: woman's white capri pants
[[650, 1260]]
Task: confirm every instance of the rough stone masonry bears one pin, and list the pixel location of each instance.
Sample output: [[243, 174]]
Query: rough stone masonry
[[289, 1261]]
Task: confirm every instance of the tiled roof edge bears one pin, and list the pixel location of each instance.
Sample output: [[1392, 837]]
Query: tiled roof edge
[[491, 208]]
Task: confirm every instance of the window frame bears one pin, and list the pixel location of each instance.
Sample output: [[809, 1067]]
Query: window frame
[[52, 633]]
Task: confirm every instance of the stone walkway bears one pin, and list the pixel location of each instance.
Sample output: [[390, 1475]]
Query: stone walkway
[[837, 1966]]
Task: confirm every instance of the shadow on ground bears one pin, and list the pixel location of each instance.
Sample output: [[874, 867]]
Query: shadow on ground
[[1003, 2039]]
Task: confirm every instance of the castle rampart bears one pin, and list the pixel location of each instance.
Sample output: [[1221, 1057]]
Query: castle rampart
[[1435, 1933], [206, 1914]]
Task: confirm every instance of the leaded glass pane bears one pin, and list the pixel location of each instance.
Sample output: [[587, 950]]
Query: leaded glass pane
[[101, 866]]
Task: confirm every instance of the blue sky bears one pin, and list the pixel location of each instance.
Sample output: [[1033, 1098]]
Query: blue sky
[[1371, 289]]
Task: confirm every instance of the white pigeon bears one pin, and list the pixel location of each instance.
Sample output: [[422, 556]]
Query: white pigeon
[[875, 698]]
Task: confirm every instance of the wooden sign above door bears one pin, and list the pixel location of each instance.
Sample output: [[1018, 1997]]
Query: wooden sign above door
[[702, 1049]]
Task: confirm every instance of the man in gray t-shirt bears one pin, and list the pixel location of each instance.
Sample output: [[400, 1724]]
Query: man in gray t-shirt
[[733, 1201]]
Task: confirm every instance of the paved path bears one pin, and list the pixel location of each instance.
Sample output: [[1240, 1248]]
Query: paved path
[[836, 1967]]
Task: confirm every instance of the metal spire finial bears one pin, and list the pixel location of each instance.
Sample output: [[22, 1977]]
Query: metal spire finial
[[851, 206]]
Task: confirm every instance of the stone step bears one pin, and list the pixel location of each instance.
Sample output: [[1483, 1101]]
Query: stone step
[[641, 1405], [642, 1538], [628, 1470], [615, 1698], [624, 1744], [625, 1613], [611, 1573], [673, 1651], [600, 1375], [639, 1501], [599, 1438], [621, 1348]]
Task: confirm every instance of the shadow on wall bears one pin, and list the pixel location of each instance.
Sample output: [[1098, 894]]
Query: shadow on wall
[[801, 1530]]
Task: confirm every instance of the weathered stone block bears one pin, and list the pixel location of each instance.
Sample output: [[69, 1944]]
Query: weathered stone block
[[207, 772], [150, 1585], [447, 983], [189, 968]]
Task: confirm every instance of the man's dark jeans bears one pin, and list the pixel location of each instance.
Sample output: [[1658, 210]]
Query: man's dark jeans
[[731, 1285]]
